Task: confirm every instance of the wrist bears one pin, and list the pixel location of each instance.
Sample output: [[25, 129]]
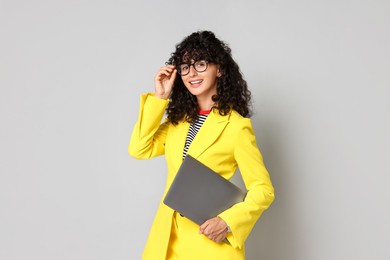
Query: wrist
[[160, 96]]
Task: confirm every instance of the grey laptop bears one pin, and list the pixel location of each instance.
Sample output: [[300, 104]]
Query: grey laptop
[[198, 193]]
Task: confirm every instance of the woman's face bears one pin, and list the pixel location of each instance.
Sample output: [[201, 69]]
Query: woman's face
[[203, 85]]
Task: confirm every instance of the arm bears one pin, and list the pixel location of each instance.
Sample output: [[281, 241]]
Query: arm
[[242, 217], [148, 137]]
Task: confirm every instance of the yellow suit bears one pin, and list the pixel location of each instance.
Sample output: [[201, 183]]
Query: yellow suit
[[223, 143]]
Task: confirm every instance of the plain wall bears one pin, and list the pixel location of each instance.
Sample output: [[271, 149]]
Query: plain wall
[[71, 73]]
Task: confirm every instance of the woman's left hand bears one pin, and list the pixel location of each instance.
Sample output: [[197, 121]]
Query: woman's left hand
[[215, 229]]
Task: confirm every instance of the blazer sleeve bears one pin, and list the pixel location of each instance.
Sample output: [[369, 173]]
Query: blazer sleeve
[[242, 217], [148, 137]]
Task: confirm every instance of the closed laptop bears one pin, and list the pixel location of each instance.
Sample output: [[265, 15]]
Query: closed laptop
[[199, 193]]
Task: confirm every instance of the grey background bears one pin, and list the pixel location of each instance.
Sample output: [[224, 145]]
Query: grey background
[[71, 73]]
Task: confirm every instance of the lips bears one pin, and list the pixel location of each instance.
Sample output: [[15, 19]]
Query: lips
[[196, 82]]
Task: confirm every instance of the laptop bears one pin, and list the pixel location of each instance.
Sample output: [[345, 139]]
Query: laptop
[[199, 193]]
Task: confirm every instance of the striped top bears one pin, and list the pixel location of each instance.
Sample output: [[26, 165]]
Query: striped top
[[194, 129]]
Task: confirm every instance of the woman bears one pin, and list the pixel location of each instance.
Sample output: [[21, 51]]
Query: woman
[[207, 104]]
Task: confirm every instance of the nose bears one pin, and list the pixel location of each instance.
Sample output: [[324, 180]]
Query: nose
[[192, 72]]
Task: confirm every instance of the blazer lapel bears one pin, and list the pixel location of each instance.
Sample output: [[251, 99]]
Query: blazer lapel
[[208, 133]]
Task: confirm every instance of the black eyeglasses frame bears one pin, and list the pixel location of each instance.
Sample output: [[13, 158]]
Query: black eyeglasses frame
[[178, 67]]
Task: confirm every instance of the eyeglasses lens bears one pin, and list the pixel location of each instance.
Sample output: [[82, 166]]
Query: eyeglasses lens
[[199, 66]]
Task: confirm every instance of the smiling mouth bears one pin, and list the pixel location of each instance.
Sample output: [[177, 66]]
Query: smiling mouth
[[196, 82]]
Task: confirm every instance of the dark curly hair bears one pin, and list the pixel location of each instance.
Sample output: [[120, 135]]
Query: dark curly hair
[[232, 89]]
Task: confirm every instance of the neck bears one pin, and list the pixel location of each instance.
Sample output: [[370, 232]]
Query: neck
[[205, 104]]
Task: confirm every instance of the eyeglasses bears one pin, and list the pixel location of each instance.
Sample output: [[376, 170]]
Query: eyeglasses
[[184, 68]]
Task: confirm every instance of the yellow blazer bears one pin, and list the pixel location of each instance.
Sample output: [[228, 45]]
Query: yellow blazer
[[223, 143]]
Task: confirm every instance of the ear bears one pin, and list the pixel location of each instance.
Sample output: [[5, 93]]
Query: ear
[[219, 73]]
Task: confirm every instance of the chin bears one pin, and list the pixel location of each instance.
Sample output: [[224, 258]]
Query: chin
[[195, 92]]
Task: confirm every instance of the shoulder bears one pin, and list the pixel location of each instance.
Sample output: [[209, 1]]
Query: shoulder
[[237, 120]]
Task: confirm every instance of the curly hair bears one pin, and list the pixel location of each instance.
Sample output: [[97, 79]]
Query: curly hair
[[232, 89]]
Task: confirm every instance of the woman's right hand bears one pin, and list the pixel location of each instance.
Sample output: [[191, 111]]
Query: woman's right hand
[[163, 81]]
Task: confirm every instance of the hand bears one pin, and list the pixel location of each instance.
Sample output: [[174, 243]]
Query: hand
[[163, 81], [215, 229]]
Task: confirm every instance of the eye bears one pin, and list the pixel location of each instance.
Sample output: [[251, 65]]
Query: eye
[[200, 64], [184, 67]]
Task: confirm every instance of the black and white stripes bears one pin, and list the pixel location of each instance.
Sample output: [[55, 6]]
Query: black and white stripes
[[194, 128]]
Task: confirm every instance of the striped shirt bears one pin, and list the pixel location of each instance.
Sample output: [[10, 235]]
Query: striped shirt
[[194, 129]]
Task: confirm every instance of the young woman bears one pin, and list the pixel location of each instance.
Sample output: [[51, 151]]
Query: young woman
[[207, 103]]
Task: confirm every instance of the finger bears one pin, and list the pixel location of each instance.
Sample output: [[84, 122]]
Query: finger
[[210, 228], [167, 68], [203, 227], [173, 76], [166, 72], [218, 238], [213, 234], [163, 75]]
